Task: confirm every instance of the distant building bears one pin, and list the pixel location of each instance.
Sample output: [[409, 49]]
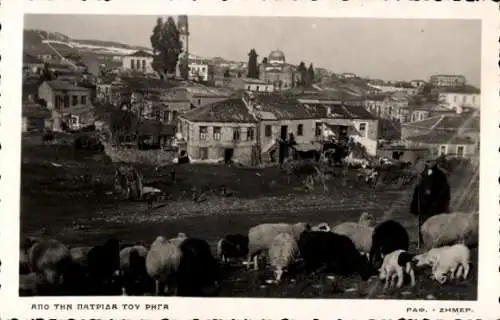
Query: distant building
[[277, 72], [347, 75], [60, 95], [466, 96], [443, 80], [32, 65], [256, 85], [417, 83], [199, 70], [79, 116], [139, 61], [449, 134]]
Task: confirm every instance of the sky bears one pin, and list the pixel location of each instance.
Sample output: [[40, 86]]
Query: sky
[[389, 49]]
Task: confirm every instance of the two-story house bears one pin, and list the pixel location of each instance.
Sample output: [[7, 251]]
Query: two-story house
[[60, 95]]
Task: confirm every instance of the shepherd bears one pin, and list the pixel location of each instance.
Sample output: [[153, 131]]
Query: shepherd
[[431, 196]]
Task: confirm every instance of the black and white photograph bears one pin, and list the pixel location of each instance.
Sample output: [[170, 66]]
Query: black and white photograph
[[250, 157]]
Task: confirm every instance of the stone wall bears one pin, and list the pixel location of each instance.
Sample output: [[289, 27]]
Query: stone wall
[[150, 157]]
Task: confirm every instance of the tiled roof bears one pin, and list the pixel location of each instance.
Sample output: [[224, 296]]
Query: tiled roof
[[469, 120], [140, 53], [344, 111], [281, 107], [230, 110], [440, 137], [466, 89], [63, 85], [428, 106]]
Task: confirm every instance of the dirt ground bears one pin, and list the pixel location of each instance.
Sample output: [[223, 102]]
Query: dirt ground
[[61, 199]]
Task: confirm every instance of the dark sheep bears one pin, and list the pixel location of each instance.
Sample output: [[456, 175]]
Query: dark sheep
[[387, 237], [134, 276], [337, 253], [232, 246], [198, 269], [103, 264], [431, 196]]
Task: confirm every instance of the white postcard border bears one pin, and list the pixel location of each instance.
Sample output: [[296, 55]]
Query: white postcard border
[[487, 305]]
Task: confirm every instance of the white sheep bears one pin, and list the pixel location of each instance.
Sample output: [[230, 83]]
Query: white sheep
[[51, 260], [394, 267], [162, 263], [450, 228], [450, 260], [282, 253], [261, 236], [359, 232]]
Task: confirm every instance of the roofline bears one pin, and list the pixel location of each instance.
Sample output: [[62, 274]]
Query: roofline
[[410, 124]]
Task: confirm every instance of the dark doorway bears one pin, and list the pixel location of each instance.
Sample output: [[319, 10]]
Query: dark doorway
[[228, 155], [284, 132]]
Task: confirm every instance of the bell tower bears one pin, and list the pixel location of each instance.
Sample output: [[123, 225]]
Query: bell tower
[[183, 27]]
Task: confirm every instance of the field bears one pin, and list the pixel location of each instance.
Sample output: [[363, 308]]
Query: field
[[60, 198]]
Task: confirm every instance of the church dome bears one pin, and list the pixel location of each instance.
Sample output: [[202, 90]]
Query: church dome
[[276, 56]]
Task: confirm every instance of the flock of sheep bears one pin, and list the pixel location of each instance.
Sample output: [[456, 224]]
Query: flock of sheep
[[186, 266]]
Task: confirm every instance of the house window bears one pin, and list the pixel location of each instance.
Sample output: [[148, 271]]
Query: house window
[[460, 151], [464, 99], [317, 129], [174, 115], [455, 98], [144, 65], [473, 99], [362, 129], [203, 133], [74, 100], [250, 134], [203, 153], [217, 133], [199, 101], [58, 102], [442, 150], [66, 101], [83, 99], [236, 134], [268, 131], [300, 129], [132, 64], [248, 88], [257, 88]]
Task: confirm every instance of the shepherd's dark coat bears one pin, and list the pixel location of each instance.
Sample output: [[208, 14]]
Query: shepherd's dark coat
[[431, 196]]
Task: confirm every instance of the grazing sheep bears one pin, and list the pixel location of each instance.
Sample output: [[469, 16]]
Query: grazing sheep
[[387, 237], [162, 264], [232, 246], [261, 236], [396, 264], [24, 246], [198, 269], [103, 263], [282, 253], [29, 284], [323, 226], [450, 228], [335, 252], [133, 269], [79, 256], [179, 239], [360, 233], [454, 260], [51, 260], [428, 258]]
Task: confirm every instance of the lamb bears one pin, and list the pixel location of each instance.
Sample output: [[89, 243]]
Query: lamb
[[162, 264], [133, 268], [198, 268], [450, 228], [232, 246], [360, 233], [261, 236], [453, 260], [51, 260], [333, 251], [282, 253], [394, 266], [387, 237]]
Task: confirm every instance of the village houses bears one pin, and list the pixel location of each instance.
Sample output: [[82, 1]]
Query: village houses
[[247, 129], [139, 61], [451, 134], [60, 95], [465, 97]]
